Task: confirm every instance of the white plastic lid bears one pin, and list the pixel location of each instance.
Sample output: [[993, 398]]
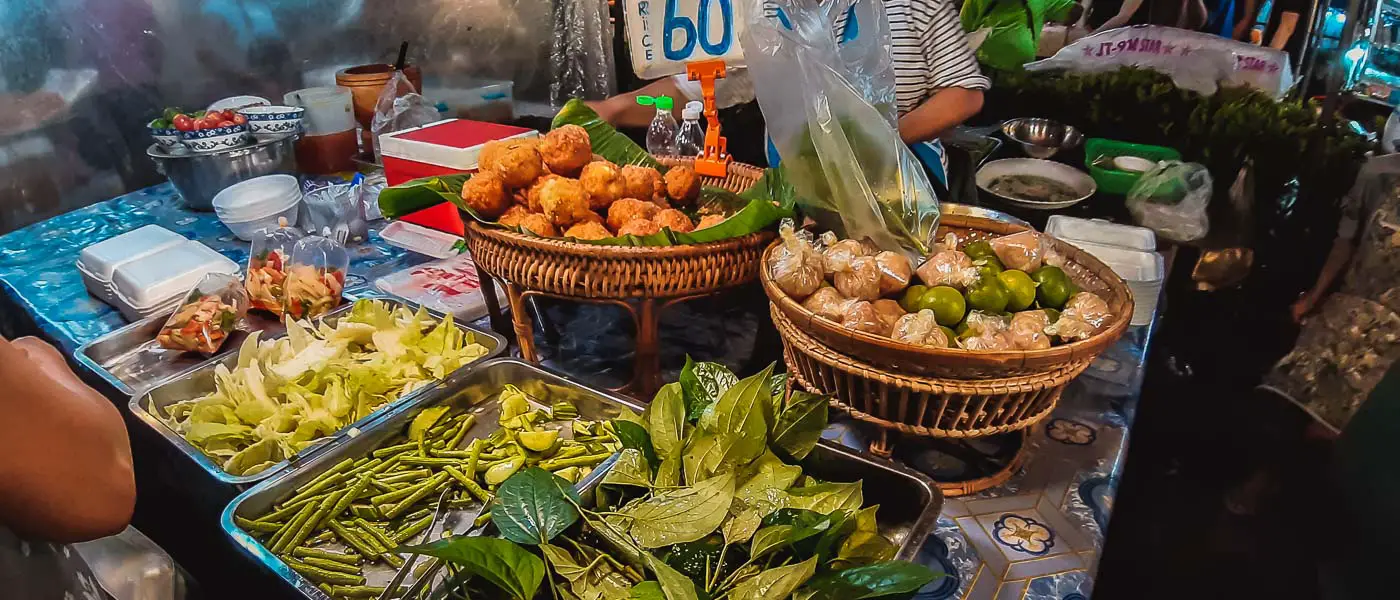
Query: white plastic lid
[[256, 196], [102, 258], [155, 279], [1131, 265], [692, 113], [695, 104], [1098, 231]]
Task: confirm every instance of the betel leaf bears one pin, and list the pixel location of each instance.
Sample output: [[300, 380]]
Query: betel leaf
[[608, 142], [825, 546], [673, 584], [739, 433], [648, 590], [777, 386], [634, 436], [669, 473], [865, 545], [827, 497], [682, 515], [871, 581], [776, 584], [799, 427], [666, 419], [593, 581], [503, 563], [702, 384], [412, 196], [743, 521], [765, 482], [533, 506], [769, 539], [630, 469]]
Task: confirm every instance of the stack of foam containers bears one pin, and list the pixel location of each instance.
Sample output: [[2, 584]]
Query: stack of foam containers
[[147, 271], [1130, 251]]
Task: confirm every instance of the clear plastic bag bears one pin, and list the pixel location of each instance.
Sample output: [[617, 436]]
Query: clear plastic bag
[[895, 272], [267, 267], [1021, 251], [988, 333], [889, 311], [1027, 330], [826, 303], [796, 267], [948, 266], [400, 107], [920, 329], [315, 277], [860, 279], [860, 315], [1171, 199], [1083, 316], [830, 111], [838, 254], [336, 207], [209, 314]]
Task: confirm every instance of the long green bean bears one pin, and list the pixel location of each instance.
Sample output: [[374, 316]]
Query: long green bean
[[472, 487], [356, 591], [413, 528], [352, 540], [392, 450], [343, 501], [433, 485], [265, 527], [279, 543], [586, 460], [349, 559], [331, 472], [320, 575], [331, 565]]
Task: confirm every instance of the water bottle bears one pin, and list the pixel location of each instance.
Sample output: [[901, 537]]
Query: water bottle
[[690, 141], [661, 136]]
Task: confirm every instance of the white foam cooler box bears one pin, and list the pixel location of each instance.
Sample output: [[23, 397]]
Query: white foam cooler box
[[442, 148]]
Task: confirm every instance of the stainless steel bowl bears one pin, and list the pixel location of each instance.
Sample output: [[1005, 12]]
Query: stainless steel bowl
[[1041, 138], [199, 176]]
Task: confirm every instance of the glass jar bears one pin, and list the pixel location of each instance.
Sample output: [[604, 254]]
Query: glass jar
[[315, 277], [207, 317]]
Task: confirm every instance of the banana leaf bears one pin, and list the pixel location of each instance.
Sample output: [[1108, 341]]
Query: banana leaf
[[769, 200]]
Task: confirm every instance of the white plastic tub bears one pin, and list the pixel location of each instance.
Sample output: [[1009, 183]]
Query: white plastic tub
[[1143, 271], [156, 283], [1098, 231], [249, 229], [97, 262]]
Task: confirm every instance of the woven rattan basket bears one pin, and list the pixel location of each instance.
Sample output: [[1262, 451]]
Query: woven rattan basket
[[951, 363], [592, 271], [917, 405]]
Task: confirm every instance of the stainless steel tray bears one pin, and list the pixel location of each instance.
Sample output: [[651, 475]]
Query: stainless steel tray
[[478, 388], [909, 501], [199, 380], [131, 360]]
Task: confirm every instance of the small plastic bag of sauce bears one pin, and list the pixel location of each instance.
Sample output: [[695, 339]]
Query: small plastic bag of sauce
[[207, 317], [315, 277], [267, 267]]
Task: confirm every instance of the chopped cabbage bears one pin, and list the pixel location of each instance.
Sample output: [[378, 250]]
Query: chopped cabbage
[[284, 395]]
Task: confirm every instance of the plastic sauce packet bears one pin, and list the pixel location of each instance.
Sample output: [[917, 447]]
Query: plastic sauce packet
[[267, 268], [315, 277], [210, 313]]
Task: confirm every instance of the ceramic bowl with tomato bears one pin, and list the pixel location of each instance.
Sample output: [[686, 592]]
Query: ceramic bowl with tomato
[[267, 122], [213, 131], [165, 135]]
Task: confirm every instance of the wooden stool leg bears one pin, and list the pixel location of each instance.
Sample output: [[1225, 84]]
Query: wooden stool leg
[[647, 370], [524, 333], [493, 303], [882, 447]]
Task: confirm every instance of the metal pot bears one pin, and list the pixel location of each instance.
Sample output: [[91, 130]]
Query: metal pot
[[199, 176]]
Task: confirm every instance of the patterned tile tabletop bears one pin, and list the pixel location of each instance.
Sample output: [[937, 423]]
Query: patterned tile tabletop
[[1038, 536]]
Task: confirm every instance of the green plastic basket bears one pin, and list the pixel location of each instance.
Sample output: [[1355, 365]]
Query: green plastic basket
[[1113, 181]]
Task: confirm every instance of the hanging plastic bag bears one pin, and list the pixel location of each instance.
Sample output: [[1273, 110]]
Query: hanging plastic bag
[[831, 112], [400, 107], [1171, 199]]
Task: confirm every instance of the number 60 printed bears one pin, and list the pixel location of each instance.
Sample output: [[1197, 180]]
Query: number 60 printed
[[680, 34]]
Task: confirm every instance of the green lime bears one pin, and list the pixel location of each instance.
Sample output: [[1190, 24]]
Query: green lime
[[1022, 289], [988, 295], [949, 332], [1053, 287], [988, 267], [980, 249], [945, 302], [1052, 314], [911, 297]]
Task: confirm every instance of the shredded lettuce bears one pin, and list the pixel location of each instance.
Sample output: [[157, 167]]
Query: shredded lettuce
[[285, 395]]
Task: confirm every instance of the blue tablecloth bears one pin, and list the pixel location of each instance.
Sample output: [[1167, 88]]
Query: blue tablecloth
[[1037, 536]]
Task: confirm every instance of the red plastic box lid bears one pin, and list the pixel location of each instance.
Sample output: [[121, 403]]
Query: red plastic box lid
[[454, 143]]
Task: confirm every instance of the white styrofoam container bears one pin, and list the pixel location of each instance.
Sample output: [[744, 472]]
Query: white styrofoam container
[[1143, 271], [149, 285], [416, 238], [451, 285], [97, 262], [1098, 231]]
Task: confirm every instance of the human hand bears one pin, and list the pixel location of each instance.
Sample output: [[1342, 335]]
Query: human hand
[[1303, 306], [49, 361]]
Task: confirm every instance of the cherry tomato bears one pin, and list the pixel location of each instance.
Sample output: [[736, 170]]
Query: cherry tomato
[[197, 125], [229, 114], [211, 120], [274, 260], [239, 119], [226, 123], [183, 123]]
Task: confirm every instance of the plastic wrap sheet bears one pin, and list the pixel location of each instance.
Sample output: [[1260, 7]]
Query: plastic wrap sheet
[[581, 58]]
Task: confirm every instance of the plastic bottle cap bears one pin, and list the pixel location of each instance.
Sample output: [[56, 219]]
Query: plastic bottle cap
[[692, 113], [646, 100], [664, 103], [697, 105]]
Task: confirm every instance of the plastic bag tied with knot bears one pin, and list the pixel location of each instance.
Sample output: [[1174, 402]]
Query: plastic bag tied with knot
[[830, 110], [400, 107], [1171, 199]]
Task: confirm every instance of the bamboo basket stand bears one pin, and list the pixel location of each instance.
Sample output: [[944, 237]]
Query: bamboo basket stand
[[642, 280], [944, 393]]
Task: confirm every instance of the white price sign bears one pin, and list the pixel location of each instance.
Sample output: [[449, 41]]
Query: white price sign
[[663, 35]]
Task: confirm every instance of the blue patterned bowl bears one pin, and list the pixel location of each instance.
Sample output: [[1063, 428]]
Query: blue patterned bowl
[[218, 138], [167, 137], [273, 121]]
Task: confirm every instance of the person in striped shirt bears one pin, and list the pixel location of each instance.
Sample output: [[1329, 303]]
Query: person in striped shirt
[[937, 81]]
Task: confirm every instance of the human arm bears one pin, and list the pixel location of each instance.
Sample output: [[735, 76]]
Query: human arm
[[1194, 16], [946, 109], [1286, 23], [1241, 32], [64, 456], [622, 110], [950, 71], [1337, 261], [1125, 13]]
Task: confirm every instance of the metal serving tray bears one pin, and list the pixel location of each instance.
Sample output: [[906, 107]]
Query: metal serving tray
[[199, 380], [478, 388], [131, 360], [909, 501]]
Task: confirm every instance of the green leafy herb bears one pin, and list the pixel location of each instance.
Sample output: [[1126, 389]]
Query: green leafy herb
[[666, 419], [534, 506], [800, 426], [739, 433], [501, 562], [768, 479], [682, 515], [635, 436], [865, 545], [702, 384], [827, 497], [630, 470], [871, 581], [776, 584], [673, 584], [399, 200], [648, 590], [742, 523]]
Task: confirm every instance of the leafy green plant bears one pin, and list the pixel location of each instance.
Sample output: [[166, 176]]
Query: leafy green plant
[[736, 527]]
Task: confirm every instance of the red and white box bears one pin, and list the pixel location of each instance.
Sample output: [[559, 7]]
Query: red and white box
[[442, 148]]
